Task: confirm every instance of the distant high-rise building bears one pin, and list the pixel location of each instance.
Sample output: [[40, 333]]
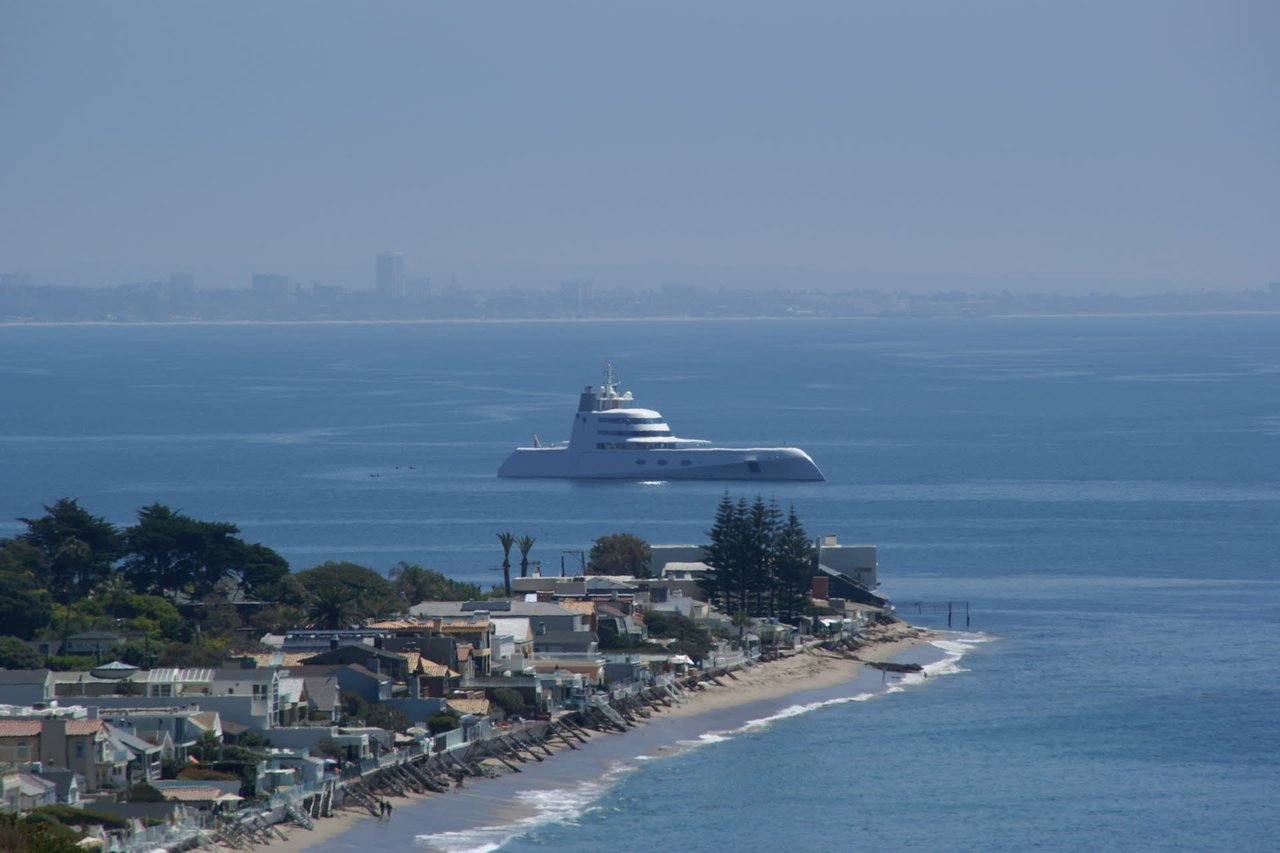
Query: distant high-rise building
[[576, 293], [390, 275], [270, 287]]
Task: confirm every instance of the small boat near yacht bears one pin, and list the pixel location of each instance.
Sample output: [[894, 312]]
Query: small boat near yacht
[[612, 438]]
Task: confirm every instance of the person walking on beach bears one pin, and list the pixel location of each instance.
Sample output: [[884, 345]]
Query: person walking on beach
[[387, 805]]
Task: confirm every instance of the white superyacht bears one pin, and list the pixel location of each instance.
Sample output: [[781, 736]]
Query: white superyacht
[[613, 439]]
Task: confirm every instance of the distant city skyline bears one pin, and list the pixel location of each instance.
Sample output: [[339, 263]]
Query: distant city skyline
[[987, 145]]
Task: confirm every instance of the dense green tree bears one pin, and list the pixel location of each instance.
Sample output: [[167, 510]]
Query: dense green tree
[[764, 522], [112, 591], [793, 566], [291, 592], [368, 595], [759, 563], [170, 552], [509, 700], [80, 549], [525, 545], [506, 539], [15, 654], [415, 584], [210, 654], [693, 639], [72, 663], [25, 604], [161, 550], [276, 618], [725, 553], [260, 569], [619, 554], [154, 615], [217, 618], [441, 723]]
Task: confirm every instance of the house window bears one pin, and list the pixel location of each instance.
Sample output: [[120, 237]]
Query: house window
[[80, 749], [259, 691], [163, 690]]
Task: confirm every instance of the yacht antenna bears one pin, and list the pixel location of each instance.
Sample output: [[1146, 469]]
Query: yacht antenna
[[610, 381]]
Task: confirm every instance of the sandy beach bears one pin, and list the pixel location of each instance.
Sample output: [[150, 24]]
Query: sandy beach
[[813, 668]]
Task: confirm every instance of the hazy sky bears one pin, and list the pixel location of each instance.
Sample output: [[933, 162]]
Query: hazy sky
[[925, 144]]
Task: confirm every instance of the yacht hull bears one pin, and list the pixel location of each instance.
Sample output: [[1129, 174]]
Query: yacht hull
[[709, 463]]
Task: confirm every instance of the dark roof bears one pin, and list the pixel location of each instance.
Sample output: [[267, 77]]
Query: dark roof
[[23, 676], [62, 778], [322, 691], [365, 651], [562, 638], [850, 589], [495, 605], [607, 583], [324, 669]]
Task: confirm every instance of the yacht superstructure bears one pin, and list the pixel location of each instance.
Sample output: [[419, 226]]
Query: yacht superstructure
[[612, 438]]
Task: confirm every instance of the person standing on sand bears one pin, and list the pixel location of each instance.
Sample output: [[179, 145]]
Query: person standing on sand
[[387, 804]]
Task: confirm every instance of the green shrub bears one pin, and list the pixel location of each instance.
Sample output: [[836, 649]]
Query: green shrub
[[141, 792], [441, 723], [70, 816], [204, 774], [508, 699]]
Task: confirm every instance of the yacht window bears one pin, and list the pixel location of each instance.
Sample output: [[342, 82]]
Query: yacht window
[[662, 462], [753, 467], [632, 432], [639, 461], [685, 462]]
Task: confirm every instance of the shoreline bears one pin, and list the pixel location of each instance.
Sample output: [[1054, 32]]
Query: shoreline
[[657, 318], [810, 669]]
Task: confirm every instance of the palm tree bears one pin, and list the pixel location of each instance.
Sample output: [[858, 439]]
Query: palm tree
[[525, 543], [507, 540], [332, 607], [114, 590]]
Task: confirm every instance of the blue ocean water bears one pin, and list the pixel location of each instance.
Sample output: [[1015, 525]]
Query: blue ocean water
[[1104, 492]]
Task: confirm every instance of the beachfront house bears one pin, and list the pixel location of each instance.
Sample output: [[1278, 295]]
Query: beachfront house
[[373, 658], [351, 678], [78, 745], [175, 730], [28, 688]]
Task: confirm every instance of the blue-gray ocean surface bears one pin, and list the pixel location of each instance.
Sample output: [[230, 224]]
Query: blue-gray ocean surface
[[1105, 492]]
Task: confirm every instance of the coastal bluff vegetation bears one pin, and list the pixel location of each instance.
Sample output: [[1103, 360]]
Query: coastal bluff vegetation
[[178, 591]]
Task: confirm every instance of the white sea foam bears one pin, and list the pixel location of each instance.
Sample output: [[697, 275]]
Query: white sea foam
[[566, 805], [549, 806]]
